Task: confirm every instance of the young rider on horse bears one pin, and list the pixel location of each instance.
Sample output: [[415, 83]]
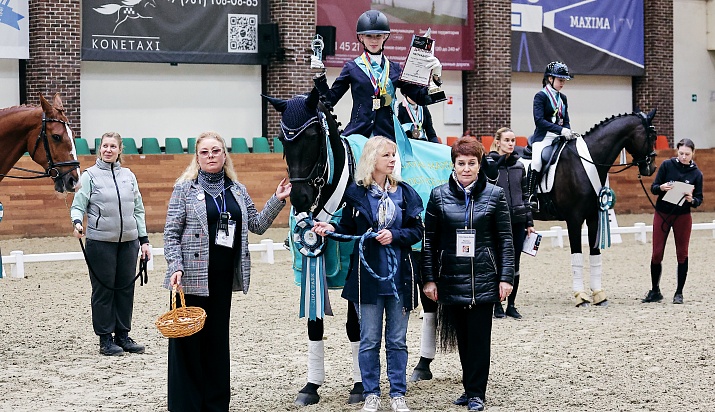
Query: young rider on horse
[[551, 117], [373, 81]]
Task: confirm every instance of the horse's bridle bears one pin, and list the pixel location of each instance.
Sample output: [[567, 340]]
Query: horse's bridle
[[321, 173], [52, 170], [650, 137]]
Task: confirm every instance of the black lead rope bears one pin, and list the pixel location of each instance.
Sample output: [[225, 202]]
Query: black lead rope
[[142, 274]]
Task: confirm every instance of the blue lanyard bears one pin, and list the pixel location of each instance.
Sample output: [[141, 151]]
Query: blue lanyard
[[466, 208], [223, 196]]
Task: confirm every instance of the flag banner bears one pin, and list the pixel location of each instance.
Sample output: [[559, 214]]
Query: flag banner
[[14, 29], [173, 31], [590, 36]]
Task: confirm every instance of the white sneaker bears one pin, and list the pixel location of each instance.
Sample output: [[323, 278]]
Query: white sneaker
[[372, 403], [398, 404]]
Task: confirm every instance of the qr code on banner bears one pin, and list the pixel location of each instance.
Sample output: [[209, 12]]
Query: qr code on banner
[[243, 33]]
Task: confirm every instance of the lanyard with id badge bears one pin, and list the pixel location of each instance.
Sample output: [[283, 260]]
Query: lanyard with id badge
[[226, 228], [466, 237]]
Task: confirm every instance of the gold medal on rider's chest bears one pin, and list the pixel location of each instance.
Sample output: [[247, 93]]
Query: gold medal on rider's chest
[[386, 99]]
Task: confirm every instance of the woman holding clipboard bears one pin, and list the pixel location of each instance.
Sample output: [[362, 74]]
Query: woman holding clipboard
[[674, 213]]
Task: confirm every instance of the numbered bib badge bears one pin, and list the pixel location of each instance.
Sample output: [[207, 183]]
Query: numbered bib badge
[[465, 242], [226, 230], [308, 242]]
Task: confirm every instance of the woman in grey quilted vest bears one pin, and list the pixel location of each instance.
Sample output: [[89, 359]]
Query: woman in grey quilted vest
[[206, 249], [109, 197]]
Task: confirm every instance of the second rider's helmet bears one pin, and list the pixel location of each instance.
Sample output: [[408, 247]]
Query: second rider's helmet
[[373, 22], [557, 69]]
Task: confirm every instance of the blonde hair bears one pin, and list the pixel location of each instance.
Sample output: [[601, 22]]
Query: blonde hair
[[497, 138], [374, 147], [192, 170], [115, 136]]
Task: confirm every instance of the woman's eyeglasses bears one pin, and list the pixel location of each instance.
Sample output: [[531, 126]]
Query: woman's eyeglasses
[[214, 152]]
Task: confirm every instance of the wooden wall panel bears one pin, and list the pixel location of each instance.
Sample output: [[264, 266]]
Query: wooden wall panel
[[34, 209]]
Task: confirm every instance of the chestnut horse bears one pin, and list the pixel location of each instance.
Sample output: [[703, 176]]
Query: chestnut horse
[[42, 131]]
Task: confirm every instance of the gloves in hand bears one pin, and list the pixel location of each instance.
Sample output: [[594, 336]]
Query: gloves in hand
[[566, 132], [316, 63], [434, 64]]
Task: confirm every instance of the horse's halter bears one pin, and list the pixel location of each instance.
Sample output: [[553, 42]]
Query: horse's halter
[[322, 172], [52, 169]]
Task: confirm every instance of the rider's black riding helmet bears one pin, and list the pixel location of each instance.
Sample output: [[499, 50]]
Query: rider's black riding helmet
[[556, 69], [373, 22]]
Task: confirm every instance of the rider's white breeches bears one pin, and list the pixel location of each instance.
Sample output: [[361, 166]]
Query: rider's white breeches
[[537, 148]]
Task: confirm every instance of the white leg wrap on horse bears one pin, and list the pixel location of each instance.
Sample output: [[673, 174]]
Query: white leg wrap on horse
[[355, 348], [577, 271], [316, 362], [428, 342], [596, 271]]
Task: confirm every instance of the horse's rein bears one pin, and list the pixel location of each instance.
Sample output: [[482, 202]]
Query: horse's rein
[[52, 170]]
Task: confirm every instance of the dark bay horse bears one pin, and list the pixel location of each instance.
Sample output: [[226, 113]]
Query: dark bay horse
[[573, 195], [45, 134], [319, 171]]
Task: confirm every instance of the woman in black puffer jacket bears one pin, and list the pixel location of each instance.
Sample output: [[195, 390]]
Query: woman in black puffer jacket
[[512, 178], [468, 264]]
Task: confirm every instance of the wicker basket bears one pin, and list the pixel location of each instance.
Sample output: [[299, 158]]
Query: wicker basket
[[183, 321]]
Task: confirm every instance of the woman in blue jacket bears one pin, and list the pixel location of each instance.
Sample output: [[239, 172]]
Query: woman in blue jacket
[[377, 201]]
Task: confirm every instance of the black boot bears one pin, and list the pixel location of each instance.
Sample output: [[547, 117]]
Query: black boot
[[498, 311], [107, 347], [654, 294], [127, 344], [533, 178], [682, 275]]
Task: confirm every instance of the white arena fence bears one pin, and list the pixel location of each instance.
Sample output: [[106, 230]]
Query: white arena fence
[[267, 247], [18, 259]]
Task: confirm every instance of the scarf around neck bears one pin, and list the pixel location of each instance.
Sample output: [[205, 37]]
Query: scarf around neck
[[385, 205], [212, 183], [468, 189]]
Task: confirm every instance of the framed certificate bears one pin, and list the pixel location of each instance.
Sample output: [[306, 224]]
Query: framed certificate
[[415, 70]]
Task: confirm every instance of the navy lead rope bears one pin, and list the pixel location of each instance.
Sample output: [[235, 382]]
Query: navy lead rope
[[392, 263]]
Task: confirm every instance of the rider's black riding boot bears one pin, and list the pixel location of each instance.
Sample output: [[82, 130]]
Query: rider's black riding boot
[[533, 178]]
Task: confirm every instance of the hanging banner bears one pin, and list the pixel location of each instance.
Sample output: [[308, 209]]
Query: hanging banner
[[451, 21], [14, 29], [590, 36], [173, 31]]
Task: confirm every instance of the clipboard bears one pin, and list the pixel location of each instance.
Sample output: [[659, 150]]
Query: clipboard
[[675, 195]]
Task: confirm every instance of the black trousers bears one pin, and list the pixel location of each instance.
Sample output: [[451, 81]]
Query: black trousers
[[115, 264], [199, 376], [518, 233], [474, 337]]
